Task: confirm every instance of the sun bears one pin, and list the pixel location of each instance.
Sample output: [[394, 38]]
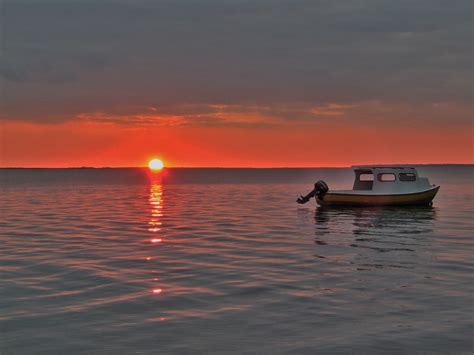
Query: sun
[[155, 164]]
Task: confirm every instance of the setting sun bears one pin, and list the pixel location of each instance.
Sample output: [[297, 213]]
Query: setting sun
[[155, 164]]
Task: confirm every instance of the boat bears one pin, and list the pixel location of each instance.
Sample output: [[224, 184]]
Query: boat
[[377, 186]]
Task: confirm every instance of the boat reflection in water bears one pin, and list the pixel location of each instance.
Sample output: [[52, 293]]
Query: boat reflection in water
[[378, 237]]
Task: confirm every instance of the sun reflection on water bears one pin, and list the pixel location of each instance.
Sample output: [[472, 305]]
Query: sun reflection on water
[[155, 200], [155, 223]]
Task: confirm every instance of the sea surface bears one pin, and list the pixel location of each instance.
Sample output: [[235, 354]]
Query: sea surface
[[122, 261]]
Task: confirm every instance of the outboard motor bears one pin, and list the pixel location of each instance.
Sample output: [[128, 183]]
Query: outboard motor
[[320, 188]]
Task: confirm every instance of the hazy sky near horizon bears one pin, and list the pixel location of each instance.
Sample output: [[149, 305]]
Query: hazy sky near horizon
[[226, 83]]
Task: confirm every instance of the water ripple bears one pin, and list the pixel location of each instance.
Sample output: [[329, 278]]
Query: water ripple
[[228, 267]]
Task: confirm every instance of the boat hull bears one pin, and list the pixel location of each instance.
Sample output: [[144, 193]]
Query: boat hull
[[348, 199]]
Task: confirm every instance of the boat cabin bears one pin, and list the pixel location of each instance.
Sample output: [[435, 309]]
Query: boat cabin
[[388, 179]]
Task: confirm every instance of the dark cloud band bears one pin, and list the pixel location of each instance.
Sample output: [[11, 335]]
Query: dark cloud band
[[66, 59]]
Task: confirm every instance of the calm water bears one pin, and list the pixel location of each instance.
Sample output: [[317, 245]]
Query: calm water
[[224, 260]]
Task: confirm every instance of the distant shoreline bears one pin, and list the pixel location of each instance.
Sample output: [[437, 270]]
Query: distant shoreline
[[217, 167]]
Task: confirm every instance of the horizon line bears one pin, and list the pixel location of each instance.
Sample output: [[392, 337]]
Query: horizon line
[[237, 167]]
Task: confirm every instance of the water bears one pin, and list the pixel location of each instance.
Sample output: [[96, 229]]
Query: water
[[225, 261]]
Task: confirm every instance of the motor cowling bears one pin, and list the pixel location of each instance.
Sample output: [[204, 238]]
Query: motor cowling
[[320, 188]]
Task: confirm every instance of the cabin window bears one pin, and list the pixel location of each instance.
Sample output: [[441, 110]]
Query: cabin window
[[407, 177], [386, 177], [366, 177], [364, 180]]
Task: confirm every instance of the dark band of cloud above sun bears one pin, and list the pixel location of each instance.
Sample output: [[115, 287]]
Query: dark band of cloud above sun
[[237, 64]]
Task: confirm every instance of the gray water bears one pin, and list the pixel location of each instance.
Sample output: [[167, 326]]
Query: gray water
[[225, 261]]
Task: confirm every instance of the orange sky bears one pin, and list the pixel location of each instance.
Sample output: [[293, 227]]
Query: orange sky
[[235, 84], [330, 144]]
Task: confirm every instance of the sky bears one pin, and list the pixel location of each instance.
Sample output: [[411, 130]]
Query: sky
[[235, 83]]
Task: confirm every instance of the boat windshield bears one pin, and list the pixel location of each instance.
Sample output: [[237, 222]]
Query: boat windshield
[[407, 177]]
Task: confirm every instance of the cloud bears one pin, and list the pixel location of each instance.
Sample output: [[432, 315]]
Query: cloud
[[372, 114], [283, 61]]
